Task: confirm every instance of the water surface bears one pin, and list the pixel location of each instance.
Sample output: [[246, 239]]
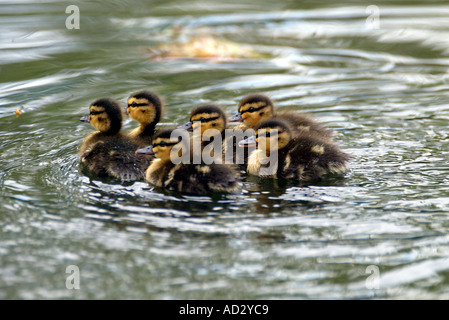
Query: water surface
[[384, 91]]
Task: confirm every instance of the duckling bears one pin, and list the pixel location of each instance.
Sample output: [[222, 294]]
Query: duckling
[[146, 108], [208, 123], [174, 170], [255, 108], [283, 154], [108, 152], [209, 119]]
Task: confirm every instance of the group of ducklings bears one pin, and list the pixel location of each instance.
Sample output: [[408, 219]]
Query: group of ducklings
[[305, 149]]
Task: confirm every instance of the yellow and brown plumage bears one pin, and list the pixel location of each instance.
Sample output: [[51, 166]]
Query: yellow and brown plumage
[[208, 123], [282, 153], [107, 152], [185, 176], [255, 108], [146, 108]]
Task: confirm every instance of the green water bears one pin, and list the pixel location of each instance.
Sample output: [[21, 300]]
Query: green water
[[384, 91]]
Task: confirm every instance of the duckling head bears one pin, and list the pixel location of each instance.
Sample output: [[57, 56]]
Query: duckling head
[[210, 119], [105, 115], [253, 109], [271, 135], [167, 143], [145, 107]]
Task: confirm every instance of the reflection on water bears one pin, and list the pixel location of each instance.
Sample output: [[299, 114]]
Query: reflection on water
[[384, 91]]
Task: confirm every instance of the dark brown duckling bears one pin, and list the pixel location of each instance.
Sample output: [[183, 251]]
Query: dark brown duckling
[[146, 108], [255, 108], [170, 146], [108, 152], [281, 153]]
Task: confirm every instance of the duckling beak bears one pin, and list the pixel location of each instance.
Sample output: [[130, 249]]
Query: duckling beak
[[148, 151], [249, 142], [85, 119], [236, 117], [125, 111], [186, 126]]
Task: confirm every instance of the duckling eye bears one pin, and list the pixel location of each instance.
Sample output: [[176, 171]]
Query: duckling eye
[[265, 134], [252, 109], [94, 113], [203, 119], [163, 144], [135, 104]]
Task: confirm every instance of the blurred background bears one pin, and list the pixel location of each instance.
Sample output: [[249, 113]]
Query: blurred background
[[375, 72]]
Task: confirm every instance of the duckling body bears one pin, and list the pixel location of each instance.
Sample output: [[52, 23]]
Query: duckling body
[[255, 108], [186, 176], [283, 154], [107, 152], [199, 179], [146, 108]]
